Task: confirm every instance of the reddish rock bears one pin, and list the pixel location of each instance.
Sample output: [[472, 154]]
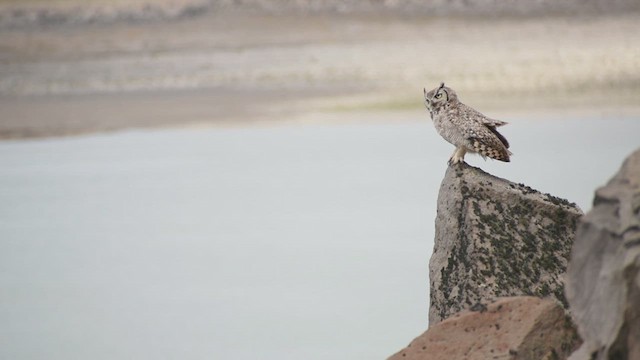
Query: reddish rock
[[510, 328]]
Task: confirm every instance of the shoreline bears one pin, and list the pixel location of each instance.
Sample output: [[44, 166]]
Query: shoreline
[[45, 117], [256, 68]]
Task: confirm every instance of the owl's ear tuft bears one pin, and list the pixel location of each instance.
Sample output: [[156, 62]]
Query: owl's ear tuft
[[441, 85]]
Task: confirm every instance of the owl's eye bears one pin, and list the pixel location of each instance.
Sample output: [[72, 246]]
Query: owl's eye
[[438, 95]]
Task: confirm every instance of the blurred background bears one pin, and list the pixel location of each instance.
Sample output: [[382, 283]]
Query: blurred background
[[242, 179]]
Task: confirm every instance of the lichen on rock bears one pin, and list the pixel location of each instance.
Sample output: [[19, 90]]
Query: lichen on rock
[[495, 238]]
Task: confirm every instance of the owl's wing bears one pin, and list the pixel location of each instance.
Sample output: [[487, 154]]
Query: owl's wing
[[493, 122], [485, 122], [490, 146], [502, 139], [485, 140], [479, 117]]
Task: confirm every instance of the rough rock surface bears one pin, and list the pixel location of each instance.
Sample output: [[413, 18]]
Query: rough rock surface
[[511, 328], [495, 238], [603, 279]]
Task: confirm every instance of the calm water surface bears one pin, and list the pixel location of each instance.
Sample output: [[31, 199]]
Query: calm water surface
[[284, 242]]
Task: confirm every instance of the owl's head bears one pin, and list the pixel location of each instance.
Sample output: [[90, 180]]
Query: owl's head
[[438, 97]]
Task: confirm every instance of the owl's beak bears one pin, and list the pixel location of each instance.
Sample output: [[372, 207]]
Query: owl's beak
[[427, 103]]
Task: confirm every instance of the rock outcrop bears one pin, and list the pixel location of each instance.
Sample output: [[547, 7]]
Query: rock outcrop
[[603, 280], [495, 238], [511, 328]]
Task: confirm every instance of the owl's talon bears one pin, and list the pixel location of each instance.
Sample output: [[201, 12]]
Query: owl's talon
[[455, 161], [457, 156]]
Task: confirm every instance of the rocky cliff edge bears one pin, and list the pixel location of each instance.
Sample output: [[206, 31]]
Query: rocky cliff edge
[[603, 279], [495, 238]]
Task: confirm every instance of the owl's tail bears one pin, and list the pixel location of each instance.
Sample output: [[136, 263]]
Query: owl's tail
[[493, 149]]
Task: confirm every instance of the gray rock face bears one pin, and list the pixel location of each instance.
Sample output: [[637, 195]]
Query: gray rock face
[[495, 238], [603, 280]]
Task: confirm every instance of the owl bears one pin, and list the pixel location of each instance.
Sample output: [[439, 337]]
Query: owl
[[467, 129]]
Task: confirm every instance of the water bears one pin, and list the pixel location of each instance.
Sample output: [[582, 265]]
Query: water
[[287, 242]]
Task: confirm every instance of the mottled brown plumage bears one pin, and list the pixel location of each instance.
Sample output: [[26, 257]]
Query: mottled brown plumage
[[467, 129]]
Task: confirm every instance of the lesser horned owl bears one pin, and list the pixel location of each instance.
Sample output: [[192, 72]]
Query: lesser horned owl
[[467, 129]]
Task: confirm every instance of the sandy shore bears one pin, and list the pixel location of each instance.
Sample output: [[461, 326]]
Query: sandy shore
[[239, 67]]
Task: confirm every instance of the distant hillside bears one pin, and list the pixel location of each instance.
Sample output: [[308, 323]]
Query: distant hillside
[[27, 13], [441, 7]]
